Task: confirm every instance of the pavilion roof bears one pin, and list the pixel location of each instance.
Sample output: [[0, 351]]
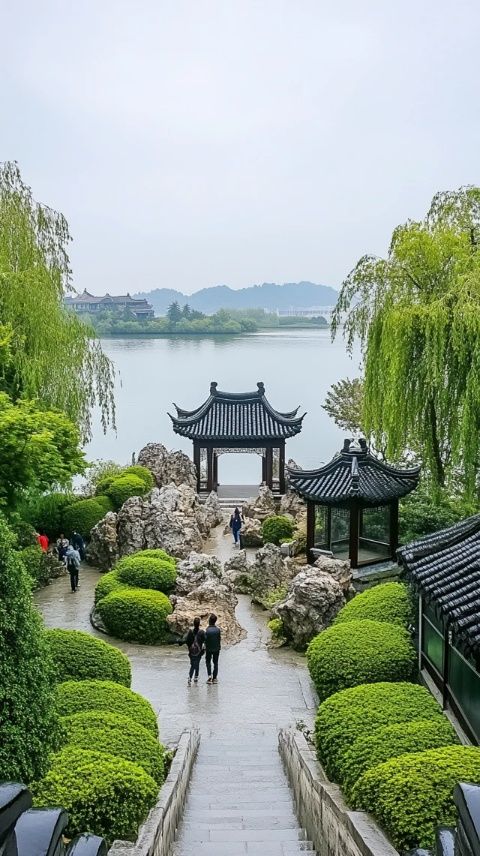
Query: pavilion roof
[[445, 568], [354, 474], [236, 416]]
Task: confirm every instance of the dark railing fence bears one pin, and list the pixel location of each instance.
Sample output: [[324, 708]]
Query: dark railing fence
[[27, 831], [464, 840]]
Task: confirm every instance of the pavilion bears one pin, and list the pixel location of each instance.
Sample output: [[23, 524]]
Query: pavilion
[[352, 504], [237, 422]]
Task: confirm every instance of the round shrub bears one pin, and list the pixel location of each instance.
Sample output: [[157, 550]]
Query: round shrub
[[107, 583], [277, 529], [101, 792], [156, 554], [77, 696], [137, 615], [413, 794], [359, 652], [104, 502], [83, 516], [105, 482], [389, 741], [80, 657], [45, 513], [345, 716], [117, 735], [386, 602], [146, 572], [123, 487], [142, 473]]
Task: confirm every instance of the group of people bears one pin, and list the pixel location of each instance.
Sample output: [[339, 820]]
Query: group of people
[[71, 553], [200, 642]]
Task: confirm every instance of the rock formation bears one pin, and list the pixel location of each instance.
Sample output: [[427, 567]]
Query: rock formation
[[293, 504], [236, 572], [210, 596], [260, 506], [210, 513], [102, 550], [168, 467], [339, 570], [251, 532], [313, 600], [197, 569], [270, 570]]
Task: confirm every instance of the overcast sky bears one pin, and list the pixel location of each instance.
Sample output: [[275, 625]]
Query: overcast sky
[[196, 143]]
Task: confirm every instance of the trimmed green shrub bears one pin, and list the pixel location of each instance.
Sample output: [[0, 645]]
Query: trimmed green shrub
[[413, 794], [146, 572], [101, 792], [137, 615], [77, 696], [156, 554], [359, 652], [105, 483], [118, 735], [45, 513], [80, 657], [389, 741], [123, 487], [104, 502], [24, 531], [345, 716], [41, 567], [386, 602], [107, 583], [142, 473], [28, 721], [277, 529], [83, 516]]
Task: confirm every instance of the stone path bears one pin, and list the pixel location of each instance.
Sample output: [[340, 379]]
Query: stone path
[[239, 801]]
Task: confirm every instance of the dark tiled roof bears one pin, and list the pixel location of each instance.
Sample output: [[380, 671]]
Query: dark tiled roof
[[236, 416], [445, 568], [354, 474]]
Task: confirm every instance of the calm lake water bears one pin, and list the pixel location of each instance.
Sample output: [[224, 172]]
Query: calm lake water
[[297, 367]]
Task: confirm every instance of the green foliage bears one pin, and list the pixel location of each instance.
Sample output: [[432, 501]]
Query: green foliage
[[345, 716], [157, 554], [82, 516], [137, 615], [359, 652], [147, 572], [107, 583], [344, 404], [46, 353], [45, 512], [102, 476], [142, 473], [101, 792], [413, 794], [118, 735], [275, 625], [97, 472], [24, 532], [272, 597], [41, 567], [81, 657], [123, 487], [77, 696], [104, 502], [277, 529], [375, 747], [28, 722], [422, 512], [385, 602]]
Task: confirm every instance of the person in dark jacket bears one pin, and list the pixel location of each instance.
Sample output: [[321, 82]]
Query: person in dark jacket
[[78, 543], [195, 642], [236, 524], [212, 648]]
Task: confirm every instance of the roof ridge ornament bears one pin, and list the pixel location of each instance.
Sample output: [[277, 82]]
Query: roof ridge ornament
[[355, 476], [213, 387], [261, 387]]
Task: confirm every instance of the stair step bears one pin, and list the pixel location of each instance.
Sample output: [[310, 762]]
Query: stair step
[[192, 835], [214, 814], [252, 848], [246, 822]]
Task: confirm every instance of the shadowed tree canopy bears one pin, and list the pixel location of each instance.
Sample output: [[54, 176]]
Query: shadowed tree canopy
[[46, 352], [417, 314]]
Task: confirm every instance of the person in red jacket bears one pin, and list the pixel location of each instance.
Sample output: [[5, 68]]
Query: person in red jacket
[[43, 541]]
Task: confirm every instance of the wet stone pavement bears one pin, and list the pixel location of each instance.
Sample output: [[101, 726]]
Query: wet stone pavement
[[239, 801]]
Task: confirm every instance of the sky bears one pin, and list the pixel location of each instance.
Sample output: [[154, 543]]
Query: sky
[[208, 142]]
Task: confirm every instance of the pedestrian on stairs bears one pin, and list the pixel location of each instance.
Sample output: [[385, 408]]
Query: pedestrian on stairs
[[212, 648], [195, 642]]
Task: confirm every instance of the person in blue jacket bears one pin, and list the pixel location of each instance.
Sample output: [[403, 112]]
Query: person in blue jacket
[[236, 525]]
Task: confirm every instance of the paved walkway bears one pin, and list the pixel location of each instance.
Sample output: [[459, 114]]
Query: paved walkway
[[239, 802]]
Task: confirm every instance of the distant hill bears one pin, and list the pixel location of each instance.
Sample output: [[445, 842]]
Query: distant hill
[[291, 295]]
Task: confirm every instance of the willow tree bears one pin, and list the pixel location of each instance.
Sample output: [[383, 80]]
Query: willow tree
[[46, 352], [417, 314]]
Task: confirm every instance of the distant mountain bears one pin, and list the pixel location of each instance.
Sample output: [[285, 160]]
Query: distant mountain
[[291, 295]]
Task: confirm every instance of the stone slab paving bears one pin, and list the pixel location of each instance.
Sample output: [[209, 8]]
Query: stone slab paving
[[239, 795]]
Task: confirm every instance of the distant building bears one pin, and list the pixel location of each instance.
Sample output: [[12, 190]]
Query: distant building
[[313, 312], [88, 303]]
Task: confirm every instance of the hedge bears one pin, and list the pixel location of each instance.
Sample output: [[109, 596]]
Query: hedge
[[142, 473], [78, 656], [101, 793], [277, 529], [156, 554], [123, 487], [147, 572], [77, 696], [117, 735], [104, 502], [345, 716], [45, 513], [389, 741], [83, 516], [413, 794], [137, 615], [41, 567], [386, 602], [359, 652], [107, 583]]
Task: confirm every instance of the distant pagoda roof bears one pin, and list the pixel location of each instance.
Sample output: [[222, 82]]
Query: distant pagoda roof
[[354, 474], [236, 416], [445, 569]]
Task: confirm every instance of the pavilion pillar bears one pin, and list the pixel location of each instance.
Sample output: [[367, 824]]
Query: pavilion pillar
[[209, 468], [264, 466], [281, 468], [354, 536], [393, 528], [215, 471], [310, 527], [269, 466], [196, 461]]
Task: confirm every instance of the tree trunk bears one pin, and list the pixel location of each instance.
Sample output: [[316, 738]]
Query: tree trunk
[[439, 466]]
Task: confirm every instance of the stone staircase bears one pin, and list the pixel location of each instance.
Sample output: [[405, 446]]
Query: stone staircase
[[239, 803]]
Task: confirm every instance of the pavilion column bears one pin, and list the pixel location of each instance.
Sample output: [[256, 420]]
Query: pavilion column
[[310, 527], [269, 466], [393, 528], [354, 534], [215, 471], [281, 468], [209, 468], [196, 461], [264, 466]]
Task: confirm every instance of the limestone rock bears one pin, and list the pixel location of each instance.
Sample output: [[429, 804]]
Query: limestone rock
[[168, 466], [102, 551], [236, 572], [166, 518], [207, 598], [313, 600], [293, 504], [270, 570], [210, 513], [261, 506], [195, 570], [251, 532], [338, 569]]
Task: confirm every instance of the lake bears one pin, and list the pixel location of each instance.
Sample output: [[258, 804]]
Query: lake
[[297, 367]]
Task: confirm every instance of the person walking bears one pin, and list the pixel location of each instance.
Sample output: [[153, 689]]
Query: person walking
[[72, 560], [212, 648], [236, 524], [78, 543], [195, 642], [43, 541]]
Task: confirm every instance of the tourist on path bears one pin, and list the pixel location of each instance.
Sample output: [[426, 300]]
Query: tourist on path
[[195, 641], [212, 648], [78, 543], [236, 524], [62, 547], [43, 541], [72, 559]]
